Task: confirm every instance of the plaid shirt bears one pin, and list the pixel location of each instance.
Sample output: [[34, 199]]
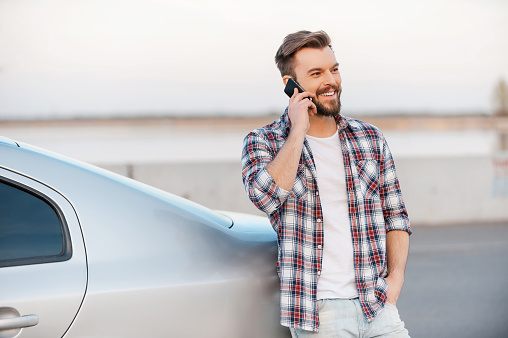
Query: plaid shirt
[[375, 207]]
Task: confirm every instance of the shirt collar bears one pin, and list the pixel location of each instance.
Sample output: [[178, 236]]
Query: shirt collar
[[343, 122]]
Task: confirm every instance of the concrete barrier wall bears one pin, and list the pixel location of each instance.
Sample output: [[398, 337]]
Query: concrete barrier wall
[[454, 190], [436, 190]]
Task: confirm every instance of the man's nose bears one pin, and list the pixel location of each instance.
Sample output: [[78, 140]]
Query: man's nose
[[329, 79]]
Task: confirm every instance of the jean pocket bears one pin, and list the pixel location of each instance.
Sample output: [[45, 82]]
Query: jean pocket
[[392, 313], [392, 306], [321, 304]]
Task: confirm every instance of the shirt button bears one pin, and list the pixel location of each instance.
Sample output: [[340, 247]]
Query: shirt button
[[317, 193], [319, 273], [319, 246], [319, 220]]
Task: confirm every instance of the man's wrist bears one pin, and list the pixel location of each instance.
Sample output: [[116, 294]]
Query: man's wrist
[[298, 132], [396, 275]]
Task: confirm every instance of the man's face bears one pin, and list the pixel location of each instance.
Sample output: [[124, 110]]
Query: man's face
[[317, 71]]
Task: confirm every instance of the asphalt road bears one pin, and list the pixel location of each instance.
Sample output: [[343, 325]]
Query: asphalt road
[[457, 282]]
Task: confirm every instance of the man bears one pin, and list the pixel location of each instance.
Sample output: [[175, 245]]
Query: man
[[329, 186]]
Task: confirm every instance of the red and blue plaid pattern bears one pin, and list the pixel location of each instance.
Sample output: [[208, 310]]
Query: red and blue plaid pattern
[[375, 207]]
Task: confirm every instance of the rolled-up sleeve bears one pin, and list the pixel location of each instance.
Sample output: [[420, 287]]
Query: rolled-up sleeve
[[262, 190], [394, 209]]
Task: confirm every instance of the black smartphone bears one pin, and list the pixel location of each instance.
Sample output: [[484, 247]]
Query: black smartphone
[[290, 88]]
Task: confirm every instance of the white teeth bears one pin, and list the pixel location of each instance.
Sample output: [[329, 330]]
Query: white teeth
[[328, 94]]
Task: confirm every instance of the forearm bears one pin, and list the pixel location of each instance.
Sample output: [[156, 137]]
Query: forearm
[[284, 166], [397, 250]]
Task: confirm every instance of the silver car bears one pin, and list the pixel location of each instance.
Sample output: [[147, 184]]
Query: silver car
[[88, 253]]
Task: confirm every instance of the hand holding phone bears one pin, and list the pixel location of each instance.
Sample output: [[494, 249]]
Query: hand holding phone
[[290, 88], [299, 110]]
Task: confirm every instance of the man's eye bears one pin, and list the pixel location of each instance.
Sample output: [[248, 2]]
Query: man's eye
[[315, 74]]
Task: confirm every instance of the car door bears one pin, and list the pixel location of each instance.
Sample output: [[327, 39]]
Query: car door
[[43, 271]]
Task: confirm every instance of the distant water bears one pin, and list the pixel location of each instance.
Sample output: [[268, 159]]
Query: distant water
[[114, 144], [441, 143]]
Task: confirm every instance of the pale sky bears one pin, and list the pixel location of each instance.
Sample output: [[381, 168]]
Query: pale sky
[[84, 58]]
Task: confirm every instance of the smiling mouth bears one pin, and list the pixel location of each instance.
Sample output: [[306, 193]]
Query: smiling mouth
[[328, 94]]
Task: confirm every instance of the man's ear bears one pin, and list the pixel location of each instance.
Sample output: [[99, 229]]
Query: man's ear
[[285, 79]]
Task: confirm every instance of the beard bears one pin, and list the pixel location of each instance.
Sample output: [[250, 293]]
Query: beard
[[331, 108]]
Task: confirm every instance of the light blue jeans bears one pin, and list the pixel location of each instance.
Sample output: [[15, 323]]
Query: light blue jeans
[[344, 318]]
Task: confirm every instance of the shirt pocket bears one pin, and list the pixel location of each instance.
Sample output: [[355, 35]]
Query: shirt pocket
[[368, 177]]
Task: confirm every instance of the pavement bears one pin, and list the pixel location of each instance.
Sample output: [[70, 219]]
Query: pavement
[[457, 282]]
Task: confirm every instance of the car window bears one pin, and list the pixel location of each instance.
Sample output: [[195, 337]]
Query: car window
[[32, 229]]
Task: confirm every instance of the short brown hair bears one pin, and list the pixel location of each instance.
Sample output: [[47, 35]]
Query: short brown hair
[[293, 43]]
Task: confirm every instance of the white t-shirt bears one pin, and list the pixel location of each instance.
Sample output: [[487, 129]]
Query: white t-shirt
[[337, 279]]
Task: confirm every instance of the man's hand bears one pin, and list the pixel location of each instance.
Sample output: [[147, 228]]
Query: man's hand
[[394, 287], [300, 109]]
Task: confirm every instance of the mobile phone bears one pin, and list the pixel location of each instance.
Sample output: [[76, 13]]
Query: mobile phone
[[290, 88]]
